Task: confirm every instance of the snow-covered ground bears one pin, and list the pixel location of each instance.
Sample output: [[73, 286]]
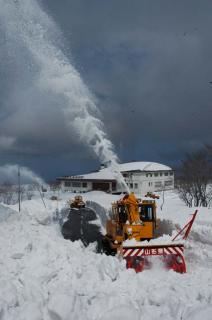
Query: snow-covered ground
[[43, 276]]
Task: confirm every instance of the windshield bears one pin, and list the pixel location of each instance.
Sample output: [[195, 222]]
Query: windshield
[[146, 212]]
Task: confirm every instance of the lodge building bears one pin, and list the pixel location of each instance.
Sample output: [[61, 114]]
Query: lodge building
[[140, 177]]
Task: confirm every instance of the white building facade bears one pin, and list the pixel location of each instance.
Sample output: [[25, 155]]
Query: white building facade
[[141, 177]]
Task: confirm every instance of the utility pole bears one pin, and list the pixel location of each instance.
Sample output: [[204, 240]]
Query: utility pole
[[41, 196], [161, 207], [19, 189]]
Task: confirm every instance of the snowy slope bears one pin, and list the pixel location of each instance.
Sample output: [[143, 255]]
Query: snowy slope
[[43, 276]]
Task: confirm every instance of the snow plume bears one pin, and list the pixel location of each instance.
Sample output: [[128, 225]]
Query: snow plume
[[9, 173], [39, 34]]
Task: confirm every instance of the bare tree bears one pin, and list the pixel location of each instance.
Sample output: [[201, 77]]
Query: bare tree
[[8, 193], [194, 183], [185, 191]]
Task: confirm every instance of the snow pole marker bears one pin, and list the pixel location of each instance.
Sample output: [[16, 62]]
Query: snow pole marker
[[187, 227]]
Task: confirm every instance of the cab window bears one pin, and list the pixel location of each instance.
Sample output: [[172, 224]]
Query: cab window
[[146, 212], [122, 214]]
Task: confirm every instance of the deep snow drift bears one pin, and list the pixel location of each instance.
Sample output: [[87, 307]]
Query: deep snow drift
[[43, 276]]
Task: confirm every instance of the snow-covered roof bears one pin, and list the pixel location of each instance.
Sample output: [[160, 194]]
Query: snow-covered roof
[[104, 174], [143, 166], [107, 174]]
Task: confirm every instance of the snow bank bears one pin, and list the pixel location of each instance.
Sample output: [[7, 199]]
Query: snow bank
[[43, 276], [202, 312], [5, 212], [121, 312], [165, 239]]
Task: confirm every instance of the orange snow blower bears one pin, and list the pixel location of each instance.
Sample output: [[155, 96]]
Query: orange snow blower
[[77, 202], [132, 222]]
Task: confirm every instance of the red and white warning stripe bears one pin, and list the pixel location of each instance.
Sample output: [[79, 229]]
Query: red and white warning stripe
[[133, 252], [152, 251]]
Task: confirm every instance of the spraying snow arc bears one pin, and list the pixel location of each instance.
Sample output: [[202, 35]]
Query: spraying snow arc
[[8, 173], [58, 76]]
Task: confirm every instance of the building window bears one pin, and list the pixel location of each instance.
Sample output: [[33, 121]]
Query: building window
[[155, 174], [171, 173], [76, 184], [161, 173], [166, 173], [136, 186], [131, 185], [84, 184], [147, 175], [150, 174], [113, 186], [158, 184], [67, 184], [168, 183]]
